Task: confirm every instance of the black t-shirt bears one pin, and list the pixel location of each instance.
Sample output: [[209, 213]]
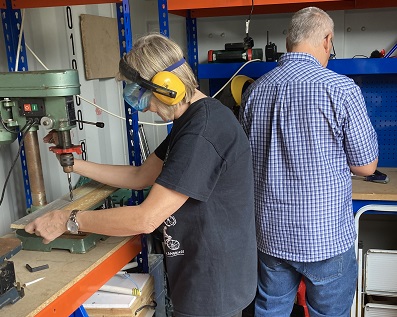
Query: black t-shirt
[[210, 243]]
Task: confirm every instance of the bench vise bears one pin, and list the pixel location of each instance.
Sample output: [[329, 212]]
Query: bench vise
[[10, 290]]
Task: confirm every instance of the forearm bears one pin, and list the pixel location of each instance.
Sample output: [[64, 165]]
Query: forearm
[[122, 221], [364, 170], [121, 176], [125, 221]]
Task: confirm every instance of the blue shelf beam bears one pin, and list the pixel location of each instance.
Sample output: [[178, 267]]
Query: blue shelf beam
[[191, 30], [163, 17], [350, 67], [164, 29]]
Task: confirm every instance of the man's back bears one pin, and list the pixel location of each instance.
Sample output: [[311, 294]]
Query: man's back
[[306, 125]]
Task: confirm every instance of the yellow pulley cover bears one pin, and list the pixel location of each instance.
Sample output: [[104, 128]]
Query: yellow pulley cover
[[237, 85]]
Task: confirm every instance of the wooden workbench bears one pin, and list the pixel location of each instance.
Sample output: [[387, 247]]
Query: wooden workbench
[[363, 190], [70, 279]]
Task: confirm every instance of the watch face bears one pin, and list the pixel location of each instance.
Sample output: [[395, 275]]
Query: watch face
[[72, 227]]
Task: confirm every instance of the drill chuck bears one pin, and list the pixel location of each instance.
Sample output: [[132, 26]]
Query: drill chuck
[[67, 162]]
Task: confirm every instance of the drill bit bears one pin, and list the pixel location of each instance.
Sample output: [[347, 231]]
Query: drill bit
[[70, 187]]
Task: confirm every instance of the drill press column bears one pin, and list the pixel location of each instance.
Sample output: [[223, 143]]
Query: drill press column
[[35, 169]]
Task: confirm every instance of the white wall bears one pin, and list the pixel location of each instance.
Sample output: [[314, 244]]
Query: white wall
[[357, 32]]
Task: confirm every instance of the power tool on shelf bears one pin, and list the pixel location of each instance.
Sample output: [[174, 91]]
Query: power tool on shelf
[[237, 52], [232, 53]]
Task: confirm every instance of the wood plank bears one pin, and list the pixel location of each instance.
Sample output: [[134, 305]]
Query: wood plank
[[100, 43], [363, 190], [8, 244], [86, 197]]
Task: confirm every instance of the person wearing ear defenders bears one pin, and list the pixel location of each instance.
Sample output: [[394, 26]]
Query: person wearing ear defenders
[[202, 187]]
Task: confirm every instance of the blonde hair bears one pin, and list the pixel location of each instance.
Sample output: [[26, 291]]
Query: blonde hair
[[310, 24], [153, 53]]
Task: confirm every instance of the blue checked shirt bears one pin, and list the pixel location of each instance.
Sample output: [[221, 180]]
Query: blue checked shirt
[[306, 125]]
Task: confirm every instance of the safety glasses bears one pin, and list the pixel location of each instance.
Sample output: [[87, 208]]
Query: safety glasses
[[137, 97]]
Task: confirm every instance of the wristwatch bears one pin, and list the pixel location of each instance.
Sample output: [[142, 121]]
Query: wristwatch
[[72, 225]]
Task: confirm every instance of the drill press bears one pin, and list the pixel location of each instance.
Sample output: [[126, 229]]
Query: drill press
[[41, 98]]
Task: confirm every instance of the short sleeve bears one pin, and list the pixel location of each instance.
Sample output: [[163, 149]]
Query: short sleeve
[[361, 144], [161, 150], [192, 167]]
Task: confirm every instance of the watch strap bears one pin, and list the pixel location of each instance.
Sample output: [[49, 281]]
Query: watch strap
[[73, 218]]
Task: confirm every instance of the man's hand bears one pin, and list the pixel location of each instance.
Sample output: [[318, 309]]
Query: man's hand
[[49, 226]]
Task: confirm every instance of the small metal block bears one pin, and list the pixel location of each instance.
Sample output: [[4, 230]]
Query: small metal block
[[37, 268]]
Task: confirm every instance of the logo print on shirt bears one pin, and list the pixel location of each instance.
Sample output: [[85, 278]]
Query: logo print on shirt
[[171, 244], [166, 155]]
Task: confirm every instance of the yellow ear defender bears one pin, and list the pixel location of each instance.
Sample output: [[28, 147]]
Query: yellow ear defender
[[172, 82], [166, 86]]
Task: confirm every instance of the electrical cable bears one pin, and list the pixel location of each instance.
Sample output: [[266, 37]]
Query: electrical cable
[[153, 306], [248, 41], [36, 57], [120, 117], [6, 128], [252, 9], [25, 126], [234, 75], [10, 131], [135, 291], [31, 123], [127, 276]]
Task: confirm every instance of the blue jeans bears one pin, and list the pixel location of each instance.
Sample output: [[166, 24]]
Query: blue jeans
[[330, 285]]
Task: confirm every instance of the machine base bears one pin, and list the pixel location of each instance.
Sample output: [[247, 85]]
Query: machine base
[[80, 243]]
